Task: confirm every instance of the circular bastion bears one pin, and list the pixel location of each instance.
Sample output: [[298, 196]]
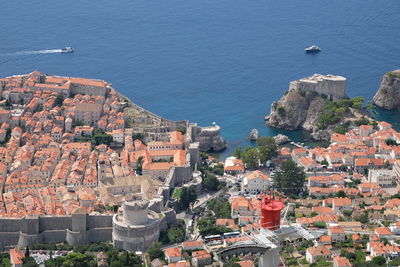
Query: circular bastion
[[135, 227]]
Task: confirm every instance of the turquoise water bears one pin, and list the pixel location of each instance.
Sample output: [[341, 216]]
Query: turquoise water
[[222, 61]]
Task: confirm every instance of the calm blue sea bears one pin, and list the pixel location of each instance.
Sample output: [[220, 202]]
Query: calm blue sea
[[208, 60]]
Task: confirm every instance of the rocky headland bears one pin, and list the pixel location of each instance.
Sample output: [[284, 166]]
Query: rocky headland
[[388, 94], [317, 104]]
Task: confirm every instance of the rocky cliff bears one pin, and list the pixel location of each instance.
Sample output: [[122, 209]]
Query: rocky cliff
[[296, 110], [388, 95], [314, 112]]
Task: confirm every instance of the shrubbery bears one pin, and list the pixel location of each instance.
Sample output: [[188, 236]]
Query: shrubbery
[[281, 111], [221, 207], [174, 234], [335, 110]]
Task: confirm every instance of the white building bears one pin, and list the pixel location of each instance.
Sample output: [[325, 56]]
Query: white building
[[255, 182], [383, 177], [313, 253], [118, 136]]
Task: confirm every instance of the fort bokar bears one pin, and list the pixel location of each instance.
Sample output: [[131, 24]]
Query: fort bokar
[[74, 148], [318, 104]]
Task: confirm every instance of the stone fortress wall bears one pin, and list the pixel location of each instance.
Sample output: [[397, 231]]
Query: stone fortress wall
[[135, 227], [329, 85], [48, 229], [209, 138], [76, 229]]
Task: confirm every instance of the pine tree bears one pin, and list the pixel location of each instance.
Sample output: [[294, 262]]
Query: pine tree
[[290, 178], [27, 252]]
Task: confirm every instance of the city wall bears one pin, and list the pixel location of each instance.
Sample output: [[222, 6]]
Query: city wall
[[49, 229]]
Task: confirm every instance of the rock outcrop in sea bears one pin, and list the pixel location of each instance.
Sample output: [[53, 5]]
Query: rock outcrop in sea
[[388, 94], [253, 135], [296, 110], [317, 104], [281, 139]]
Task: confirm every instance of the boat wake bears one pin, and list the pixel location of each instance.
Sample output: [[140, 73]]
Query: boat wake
[[34, 52]]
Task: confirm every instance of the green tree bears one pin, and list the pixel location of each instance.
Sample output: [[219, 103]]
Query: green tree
[[210, 182], [155, 251], [77, 123], [217, 169], [74, 259], [362, 121], [266, 141], [290, 178], [139, 164], [188, 196], [395, 262], [207, 226], [363, 218], [5, 260], [349, 255], [221, 207], [325, 162], [340, 193], [238, 153], [139, 136], [251, 157], [267, 148], [231, 264], [59, 100], [347, 213], [27, 253], [176, 234], [29, 262], [182, 130], [360, 255], [102, 138], [319, 225], [390, 142], [379, 260], [203, 156]]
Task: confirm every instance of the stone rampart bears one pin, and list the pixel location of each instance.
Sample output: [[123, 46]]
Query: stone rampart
[[8, 225], [76, 238], [99, 221], [8, 239], [53, 236], [28, 239], [100, 234], [48, 222], [49, 229]]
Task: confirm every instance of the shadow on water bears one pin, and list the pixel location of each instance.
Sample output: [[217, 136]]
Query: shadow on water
[[390, 116], [298, 136]]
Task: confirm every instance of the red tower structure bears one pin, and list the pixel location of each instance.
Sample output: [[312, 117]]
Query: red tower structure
[[271, 213]]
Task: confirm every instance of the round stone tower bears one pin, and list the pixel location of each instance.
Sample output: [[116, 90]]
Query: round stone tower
[[135, 227], [135, 212]]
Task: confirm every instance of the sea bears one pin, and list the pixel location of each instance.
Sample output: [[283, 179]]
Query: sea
[[222, 61]]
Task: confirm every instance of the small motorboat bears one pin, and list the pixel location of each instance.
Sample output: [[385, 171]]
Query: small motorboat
[[312, 49], [67, 49]]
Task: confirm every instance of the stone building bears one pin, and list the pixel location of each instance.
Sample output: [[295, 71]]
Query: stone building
[[88, 86], [209, 138], [384, 177], [88, 113], [329, 85], [5, 115], [135, 226]]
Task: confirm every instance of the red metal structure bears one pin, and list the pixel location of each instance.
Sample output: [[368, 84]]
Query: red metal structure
[[271, 213]]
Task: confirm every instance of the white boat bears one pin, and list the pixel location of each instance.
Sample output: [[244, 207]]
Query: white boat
[[312, 49], [67, 49]]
